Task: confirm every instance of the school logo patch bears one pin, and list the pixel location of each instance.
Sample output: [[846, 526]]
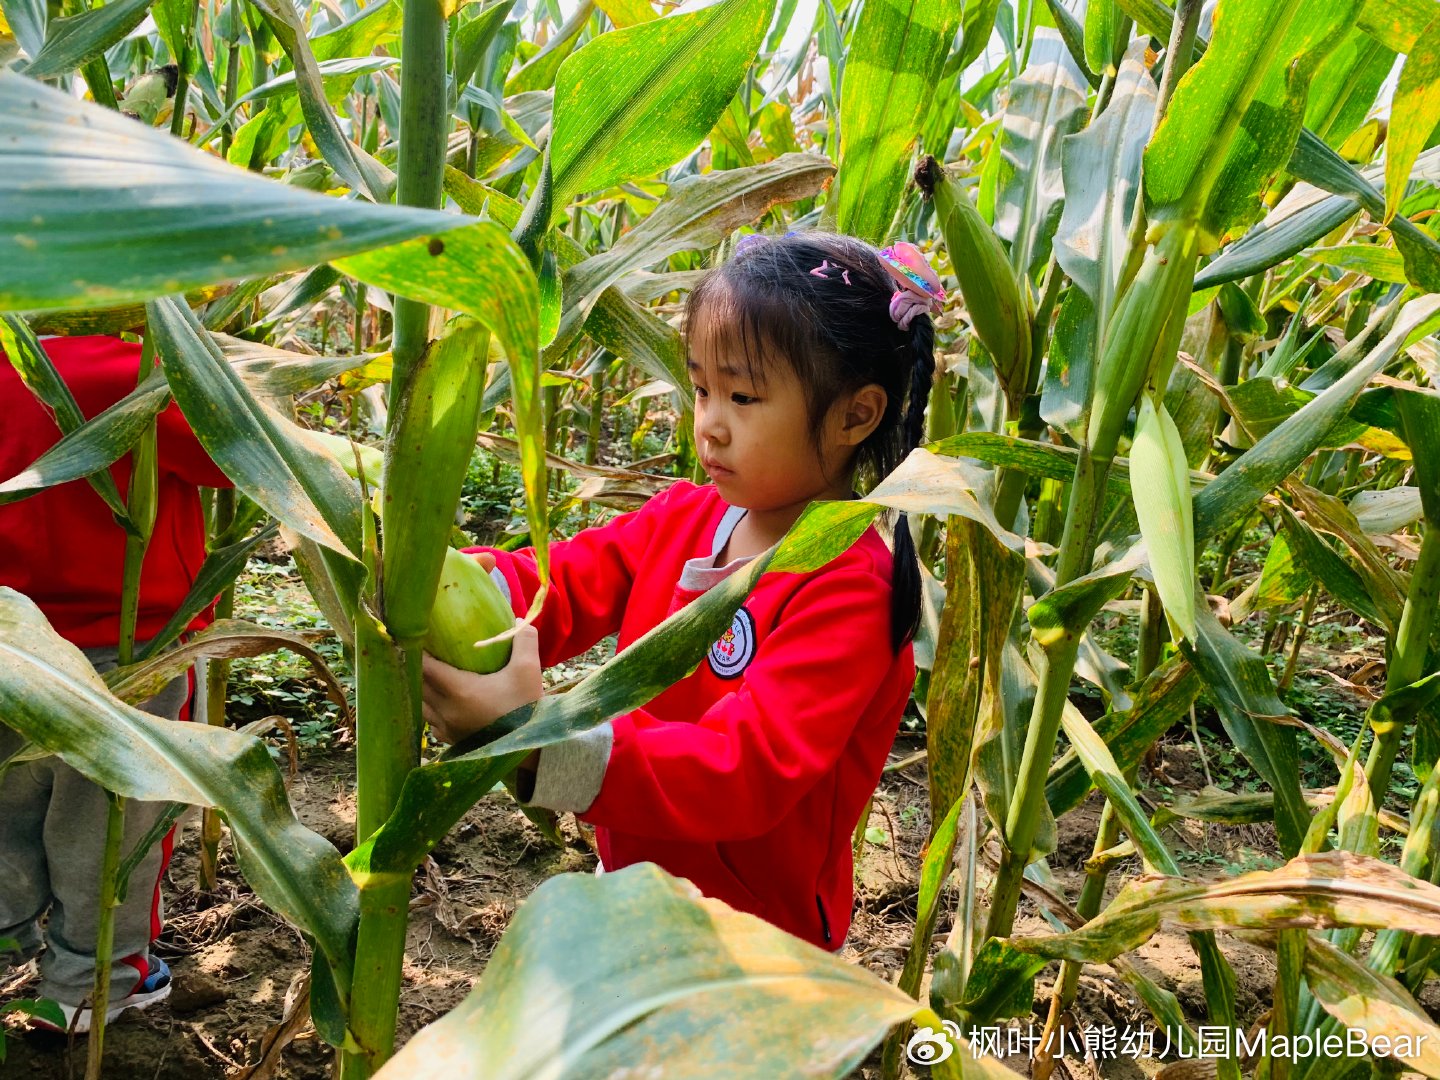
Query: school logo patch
[[733, 652]]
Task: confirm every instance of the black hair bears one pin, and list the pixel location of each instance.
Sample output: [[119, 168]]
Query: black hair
[[835, 330]]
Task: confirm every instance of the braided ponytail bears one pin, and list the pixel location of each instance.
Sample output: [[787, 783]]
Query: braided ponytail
[[905, 595]]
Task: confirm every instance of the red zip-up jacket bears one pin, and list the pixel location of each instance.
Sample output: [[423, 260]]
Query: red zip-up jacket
[[61, 547], [747, 776]]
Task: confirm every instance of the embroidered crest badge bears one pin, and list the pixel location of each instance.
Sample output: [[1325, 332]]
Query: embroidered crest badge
[[733, 652]]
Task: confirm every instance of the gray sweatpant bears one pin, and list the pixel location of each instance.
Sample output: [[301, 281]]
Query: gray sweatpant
[[52, 842]]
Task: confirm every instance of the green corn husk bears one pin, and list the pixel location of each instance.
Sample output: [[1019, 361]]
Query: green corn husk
[[372, 461], [469, 607], [997, 307], [1160, 483]]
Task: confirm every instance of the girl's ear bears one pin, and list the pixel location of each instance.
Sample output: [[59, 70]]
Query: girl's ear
[[861, 414]]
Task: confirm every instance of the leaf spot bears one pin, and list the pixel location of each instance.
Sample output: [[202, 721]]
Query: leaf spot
[[436, 246]]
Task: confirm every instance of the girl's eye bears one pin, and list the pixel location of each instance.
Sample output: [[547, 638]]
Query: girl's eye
[[699, 391], [743, 399]]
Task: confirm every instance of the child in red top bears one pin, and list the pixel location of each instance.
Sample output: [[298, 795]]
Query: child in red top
[[63, 549], [812, 357]]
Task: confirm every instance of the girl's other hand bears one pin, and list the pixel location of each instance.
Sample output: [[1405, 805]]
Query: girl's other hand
[[457, 703]]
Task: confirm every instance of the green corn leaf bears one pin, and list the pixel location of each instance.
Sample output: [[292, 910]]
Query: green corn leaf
[[934, 871], [1072, 33], [1332, 888], [1047, 103], [1101, 171], [624, 13], [1385, 588], [480, 271], [983, 583], [697, 213], [29, 359], [95, 444], [224, 639], [472, 40], [1420, 423], [891, 68], [72, 42], [1217, 975], [925, 483], [632, 331], [1344, 89], [698, 989], [1283, 233], [539, 71], [171, 218], [216, 574], [1104, 26], [1163, 698], [1066, 611], [278, 374], [375, 25], [299, 485], [1244, 695], [634, 101], [1397, 24], [1105, 774], [1237, 113], [27, 19], [1000, 744], [337, 76], [1161, 489], [1316, 163], [1414, 112], [357, 168], [1373, 1005], [51, 695], [1379, 263], [1237, 490], [1001, 984]]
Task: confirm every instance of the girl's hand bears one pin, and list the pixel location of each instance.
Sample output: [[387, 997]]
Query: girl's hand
[[458, 703]]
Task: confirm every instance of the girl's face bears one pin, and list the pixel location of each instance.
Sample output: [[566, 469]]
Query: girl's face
[[754, 439]]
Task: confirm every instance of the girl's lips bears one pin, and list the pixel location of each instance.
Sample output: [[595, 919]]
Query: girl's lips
[[714, 468]]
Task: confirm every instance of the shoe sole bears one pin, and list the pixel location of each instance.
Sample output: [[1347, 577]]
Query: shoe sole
[[138, 1002]]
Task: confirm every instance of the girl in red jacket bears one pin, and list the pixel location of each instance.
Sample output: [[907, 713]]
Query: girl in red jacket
[[811, 357]]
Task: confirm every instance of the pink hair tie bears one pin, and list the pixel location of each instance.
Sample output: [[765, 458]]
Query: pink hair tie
[[919, 286], [904, 306]]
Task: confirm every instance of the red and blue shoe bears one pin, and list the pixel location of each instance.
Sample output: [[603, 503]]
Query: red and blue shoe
[[152, 989]]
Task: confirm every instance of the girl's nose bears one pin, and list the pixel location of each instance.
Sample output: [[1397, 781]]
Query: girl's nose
[[709, 427]]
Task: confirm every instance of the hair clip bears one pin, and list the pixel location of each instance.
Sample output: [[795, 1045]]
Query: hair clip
[[920, 288], [819, 271]]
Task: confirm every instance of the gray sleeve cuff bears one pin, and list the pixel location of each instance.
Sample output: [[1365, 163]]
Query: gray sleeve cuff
[[569, 773], [503, 585]]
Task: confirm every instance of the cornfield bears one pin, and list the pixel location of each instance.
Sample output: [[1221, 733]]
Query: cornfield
[[1190, 390]]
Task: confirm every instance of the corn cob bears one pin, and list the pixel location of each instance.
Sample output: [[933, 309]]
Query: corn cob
[[468, 608]]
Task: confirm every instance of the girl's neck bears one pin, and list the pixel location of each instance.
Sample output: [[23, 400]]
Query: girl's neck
[[760, 529]]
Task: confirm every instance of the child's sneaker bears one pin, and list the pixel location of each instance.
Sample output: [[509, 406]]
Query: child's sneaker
[[154, 988]]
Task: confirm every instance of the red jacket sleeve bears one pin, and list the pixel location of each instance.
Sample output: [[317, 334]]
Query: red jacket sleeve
[[591, 575], [755, 753]]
